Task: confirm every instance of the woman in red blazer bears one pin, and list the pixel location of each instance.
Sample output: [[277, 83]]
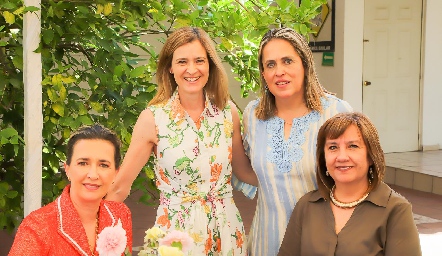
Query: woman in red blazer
[[79, 221]]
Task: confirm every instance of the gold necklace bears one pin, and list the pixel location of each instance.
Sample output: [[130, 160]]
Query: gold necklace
[[96, 234], [347, 205]]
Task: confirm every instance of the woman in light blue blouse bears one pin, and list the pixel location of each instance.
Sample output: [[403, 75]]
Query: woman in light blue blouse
[[280, 131]]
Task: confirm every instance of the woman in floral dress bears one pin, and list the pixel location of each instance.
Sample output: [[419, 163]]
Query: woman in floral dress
[[194, 132]]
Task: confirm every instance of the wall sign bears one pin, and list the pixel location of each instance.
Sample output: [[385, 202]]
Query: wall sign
[[324, 39]]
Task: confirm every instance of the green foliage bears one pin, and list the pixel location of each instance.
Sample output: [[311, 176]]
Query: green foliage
[[91, 72]]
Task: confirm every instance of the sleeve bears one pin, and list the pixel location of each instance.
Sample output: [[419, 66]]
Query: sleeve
[[343, 106], [29, 240], [402, 234], [333, 105], [291, 243], [247, 189]]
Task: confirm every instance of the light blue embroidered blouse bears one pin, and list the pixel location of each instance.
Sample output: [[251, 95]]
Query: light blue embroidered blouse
[[285, 169]]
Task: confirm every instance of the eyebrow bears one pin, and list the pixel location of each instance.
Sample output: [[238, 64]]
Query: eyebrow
[[282, 58], [202, 57], [87, 159], [333, 141]]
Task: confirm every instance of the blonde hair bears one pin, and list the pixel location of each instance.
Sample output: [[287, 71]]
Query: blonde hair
[[217, 85], [313, 90], [335, 127]]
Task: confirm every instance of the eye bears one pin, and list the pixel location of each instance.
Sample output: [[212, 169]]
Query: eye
[[270, 65], [82, 163], [288, 61], [200, 61], [332, 147], [104, 165], [353, 146], [181, 62]]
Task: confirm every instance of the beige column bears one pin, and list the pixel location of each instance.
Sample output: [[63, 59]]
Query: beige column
[[32, 77]]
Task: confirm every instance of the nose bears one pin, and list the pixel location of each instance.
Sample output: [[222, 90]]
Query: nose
[[191, 68], [92, 173], [342, 155], [279, 70]]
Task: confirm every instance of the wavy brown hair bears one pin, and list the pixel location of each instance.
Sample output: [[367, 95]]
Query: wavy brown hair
[[217, 85], [313, 90], [335, 127]]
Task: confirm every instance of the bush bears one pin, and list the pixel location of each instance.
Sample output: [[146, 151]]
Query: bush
[[90, 73]]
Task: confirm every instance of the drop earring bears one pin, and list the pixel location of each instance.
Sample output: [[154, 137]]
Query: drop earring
[[327, 173], [371, 172]]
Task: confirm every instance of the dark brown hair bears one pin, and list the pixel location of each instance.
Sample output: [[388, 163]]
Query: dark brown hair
[[335, 127], [94, 132]]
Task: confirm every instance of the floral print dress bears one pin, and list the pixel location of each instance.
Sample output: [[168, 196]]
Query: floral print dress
[[193, 170]]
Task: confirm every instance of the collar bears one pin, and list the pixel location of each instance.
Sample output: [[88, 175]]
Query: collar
[[378, 196], [178, 113], [69, 223]]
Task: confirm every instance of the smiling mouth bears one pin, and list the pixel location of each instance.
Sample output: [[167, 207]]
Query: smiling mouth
[[343, 168], [92, 186], [282, 83], [191, 79]]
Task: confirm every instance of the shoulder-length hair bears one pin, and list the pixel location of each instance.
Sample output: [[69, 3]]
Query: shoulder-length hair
[[217, 85], [313, 90], [335, 127]]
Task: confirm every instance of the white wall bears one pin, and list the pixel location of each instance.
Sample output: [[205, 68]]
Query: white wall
[[432, 69], [345, 77], [353, 52]]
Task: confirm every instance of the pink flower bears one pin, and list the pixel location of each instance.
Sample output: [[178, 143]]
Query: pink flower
[[112, 240], [178, 239]]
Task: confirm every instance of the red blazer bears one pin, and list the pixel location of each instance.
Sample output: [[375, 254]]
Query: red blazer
[[56, 229]]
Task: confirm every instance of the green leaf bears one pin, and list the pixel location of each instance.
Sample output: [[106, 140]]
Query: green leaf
[[48, 36], [8, 132], [31, 9], [97, 107], [58, 108], [11, 194], [137, 72], [4, 187], [130, 102]]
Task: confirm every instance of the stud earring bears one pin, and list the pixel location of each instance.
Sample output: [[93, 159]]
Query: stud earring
[[327, 173]]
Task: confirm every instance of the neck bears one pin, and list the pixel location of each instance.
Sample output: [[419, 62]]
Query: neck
[[350, 193], [86, 211], [288, 109], [192, 101]]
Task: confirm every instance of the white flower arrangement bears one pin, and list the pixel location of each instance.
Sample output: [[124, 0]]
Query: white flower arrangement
[[159, 243]]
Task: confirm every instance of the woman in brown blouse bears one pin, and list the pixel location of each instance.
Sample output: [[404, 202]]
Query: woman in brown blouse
[[353, 212]]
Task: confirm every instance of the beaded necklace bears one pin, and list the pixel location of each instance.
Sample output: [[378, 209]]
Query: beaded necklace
[[350, 204]]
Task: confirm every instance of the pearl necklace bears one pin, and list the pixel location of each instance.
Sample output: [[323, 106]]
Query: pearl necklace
[[346, 205]]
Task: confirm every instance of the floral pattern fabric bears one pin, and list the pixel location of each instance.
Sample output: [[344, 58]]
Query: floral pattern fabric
[[193, 170]]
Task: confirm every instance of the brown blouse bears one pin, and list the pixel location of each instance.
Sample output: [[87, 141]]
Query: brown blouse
[[381, 225]]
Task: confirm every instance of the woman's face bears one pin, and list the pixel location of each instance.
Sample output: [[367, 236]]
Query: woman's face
[[283, 69], [92, 169], [346, 158], [190, 67]]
